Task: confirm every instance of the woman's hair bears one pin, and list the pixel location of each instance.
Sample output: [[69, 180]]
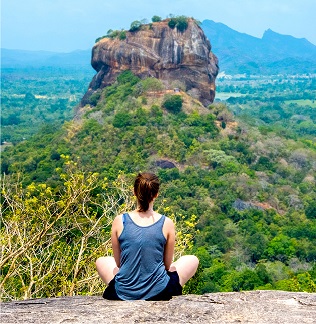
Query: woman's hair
[[146, 187]]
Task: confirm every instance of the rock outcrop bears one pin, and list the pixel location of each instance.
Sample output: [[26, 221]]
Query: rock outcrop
[[159, 51], [257, 307]]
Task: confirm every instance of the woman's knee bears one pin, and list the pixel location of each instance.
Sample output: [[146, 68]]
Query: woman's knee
[[191, 260], [194, 260]]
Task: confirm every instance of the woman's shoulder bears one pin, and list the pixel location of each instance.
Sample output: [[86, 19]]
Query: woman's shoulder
[[117, 221], [168, 221]]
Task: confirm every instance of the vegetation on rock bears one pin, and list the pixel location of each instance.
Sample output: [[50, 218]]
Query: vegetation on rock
[[180, 22]]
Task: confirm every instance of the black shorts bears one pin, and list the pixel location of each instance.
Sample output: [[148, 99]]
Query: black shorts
[[173, 288]]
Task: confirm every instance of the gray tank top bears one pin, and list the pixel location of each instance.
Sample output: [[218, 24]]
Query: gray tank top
[[142, 273]]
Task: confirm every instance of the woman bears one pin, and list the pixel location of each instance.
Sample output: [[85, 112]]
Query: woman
[[143, 246]]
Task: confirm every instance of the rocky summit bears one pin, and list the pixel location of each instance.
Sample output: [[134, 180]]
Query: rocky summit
[[157, 50], [257, 307]]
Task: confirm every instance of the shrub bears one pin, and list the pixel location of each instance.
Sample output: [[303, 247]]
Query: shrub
[[172, 23], [156, 19], [122, 35], [127, 77], [121, 120], [181, 22], [93, 100], [310, 210], [99, 38], [173, 103], [135, 25]]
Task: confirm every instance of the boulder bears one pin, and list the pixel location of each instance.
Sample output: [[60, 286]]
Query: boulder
[[156, 50], [257, 307]]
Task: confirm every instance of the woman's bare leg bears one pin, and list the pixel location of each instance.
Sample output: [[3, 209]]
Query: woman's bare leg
[[186, 267], [106, 268]]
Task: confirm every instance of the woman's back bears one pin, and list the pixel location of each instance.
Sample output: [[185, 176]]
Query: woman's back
[[142, 272], [142, 265]]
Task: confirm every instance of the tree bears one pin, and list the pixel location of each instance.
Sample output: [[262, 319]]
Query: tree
[[152, 84], [135, 25], [49, 241], [127, 77], [219, 158], [310, 210], [181, 22], [122, 119], [281, 247], [122, 35], [172, 23], [156, 19], [173, 103]]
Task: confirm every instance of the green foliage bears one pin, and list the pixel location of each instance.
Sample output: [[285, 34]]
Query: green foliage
[[40, 97], [266, 242], [99, 38], [280, 248], [122, 120], [152, 84], [180, 22], [220, 158], [122, 35], [173, 103], [135, 25], [289, 108], [127, 77], [62, 232], [156, 19], [172, 23], [310, 210], [94, 98]]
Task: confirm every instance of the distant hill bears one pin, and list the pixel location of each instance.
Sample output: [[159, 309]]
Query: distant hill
[[273, 53], [21, 58], [237, 53]]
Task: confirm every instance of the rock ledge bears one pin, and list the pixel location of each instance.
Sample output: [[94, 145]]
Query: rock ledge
[[260, 307]]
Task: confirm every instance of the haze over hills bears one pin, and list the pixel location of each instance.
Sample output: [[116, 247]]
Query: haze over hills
[[273, 53], [21, 58], [237, 52]]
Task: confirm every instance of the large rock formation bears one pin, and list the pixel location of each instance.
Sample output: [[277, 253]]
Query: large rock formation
[[257, 307], [159, 51]]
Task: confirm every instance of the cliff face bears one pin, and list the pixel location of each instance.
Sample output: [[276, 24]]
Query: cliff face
[[159, 51]]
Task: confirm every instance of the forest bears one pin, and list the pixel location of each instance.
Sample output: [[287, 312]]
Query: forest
[[32, 97], [238, 178]]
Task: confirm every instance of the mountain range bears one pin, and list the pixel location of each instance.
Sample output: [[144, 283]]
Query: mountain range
[[237, 53], [273, 53]]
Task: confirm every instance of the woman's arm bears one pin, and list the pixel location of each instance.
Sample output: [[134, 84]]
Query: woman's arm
[[169, 233], [117, 227]]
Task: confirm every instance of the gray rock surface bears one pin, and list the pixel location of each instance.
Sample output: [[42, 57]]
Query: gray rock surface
[[258, 307]]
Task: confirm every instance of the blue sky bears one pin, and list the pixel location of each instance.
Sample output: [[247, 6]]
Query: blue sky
[[67, 25]]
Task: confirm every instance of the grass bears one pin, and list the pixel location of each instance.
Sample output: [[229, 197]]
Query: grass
[[303, 102]]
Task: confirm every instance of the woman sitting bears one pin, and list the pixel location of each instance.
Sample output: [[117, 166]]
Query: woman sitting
[[143, 247]]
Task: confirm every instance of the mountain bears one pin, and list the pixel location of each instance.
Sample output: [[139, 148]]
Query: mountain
[[21, 58], [273, 53], [237, 53]]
